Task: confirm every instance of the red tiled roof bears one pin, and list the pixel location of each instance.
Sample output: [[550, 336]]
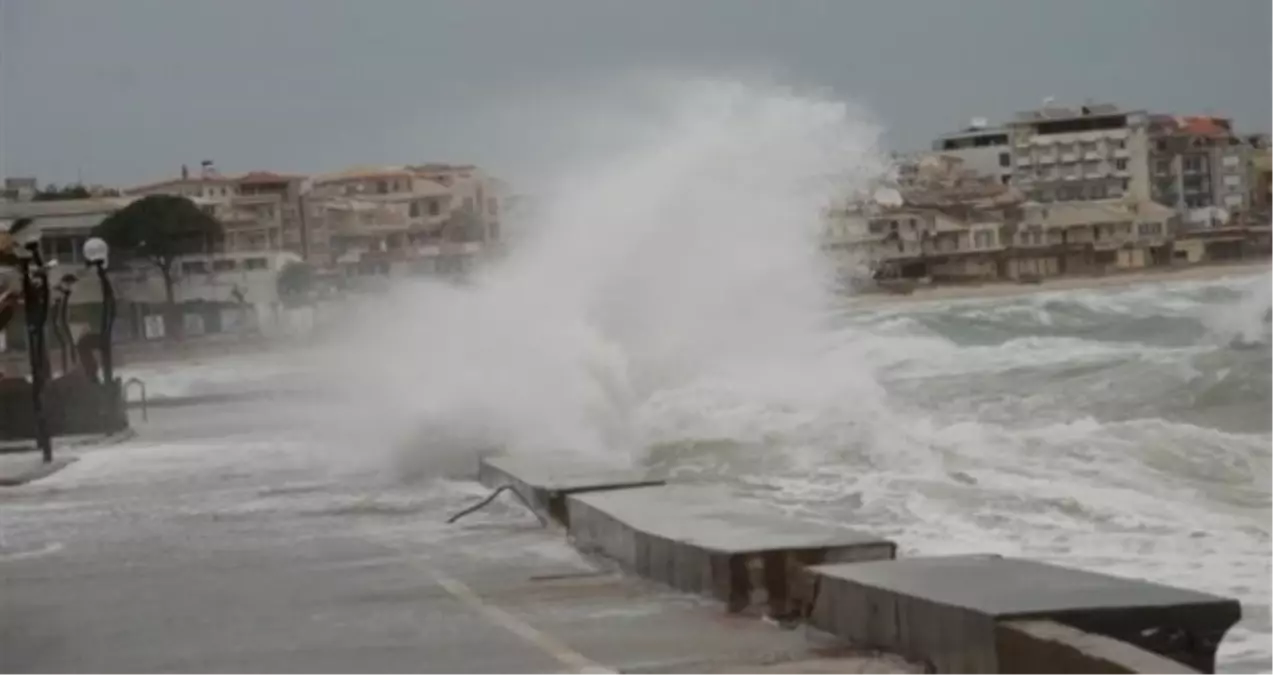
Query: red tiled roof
[[1204, 126]]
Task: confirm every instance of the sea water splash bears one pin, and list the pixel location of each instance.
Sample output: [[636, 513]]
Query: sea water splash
[[688, 259]]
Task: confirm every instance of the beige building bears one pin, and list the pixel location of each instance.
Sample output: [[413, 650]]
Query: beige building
[[409, 219], [1205, 170], [983, 148], [939, 220], [1089, 238], [1092, 152], [943, 222], [1262, 183], [261, 211]]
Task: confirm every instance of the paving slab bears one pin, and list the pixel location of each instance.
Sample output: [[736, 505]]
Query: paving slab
[[545, 482], [946, 610], [707, 539]]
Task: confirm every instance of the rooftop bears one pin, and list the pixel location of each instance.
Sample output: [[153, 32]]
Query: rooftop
[[364, 172], [262, 177], [60, 208]]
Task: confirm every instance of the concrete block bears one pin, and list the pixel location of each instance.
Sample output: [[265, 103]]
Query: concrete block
[[947, 611], [706, 539], [544, 482], [1051, 647]]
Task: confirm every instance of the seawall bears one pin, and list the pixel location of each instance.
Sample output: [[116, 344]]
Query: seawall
[[979, 613]]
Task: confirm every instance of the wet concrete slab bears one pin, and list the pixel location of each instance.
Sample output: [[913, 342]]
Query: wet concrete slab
[[945, 610], [545, 482], [29, 467], [706, 539]]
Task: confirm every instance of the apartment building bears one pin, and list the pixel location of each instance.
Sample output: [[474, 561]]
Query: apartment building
[[1092, 152], [279, 204], [940, 221], [946, 223], [1262, 183], [260, 211], [983, 148], [1200, 167], [409, 219]]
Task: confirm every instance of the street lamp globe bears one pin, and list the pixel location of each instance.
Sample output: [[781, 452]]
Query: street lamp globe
[[96, 250]]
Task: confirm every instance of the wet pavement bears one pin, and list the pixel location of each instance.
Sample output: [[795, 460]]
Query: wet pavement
[[193, 548]]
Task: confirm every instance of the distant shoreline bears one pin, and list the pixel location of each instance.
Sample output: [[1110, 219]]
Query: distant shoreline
[[995, 289]]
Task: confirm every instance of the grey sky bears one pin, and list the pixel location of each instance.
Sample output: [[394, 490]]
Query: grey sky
[[123, 91]]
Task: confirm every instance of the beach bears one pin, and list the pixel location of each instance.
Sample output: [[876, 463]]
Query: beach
[[1010, 289]]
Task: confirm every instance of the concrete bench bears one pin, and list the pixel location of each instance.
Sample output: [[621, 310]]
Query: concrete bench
[[951, 611], [706, 539]]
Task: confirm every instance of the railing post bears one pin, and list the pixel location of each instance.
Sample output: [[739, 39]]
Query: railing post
[[141, 386]]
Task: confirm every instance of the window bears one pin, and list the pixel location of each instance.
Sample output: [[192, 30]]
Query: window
[[1120, 164], [876, 227], [1149, 229], [1005, 179], [224, 265], [983, 239], [1193, 164], [434, 207], [194, 267], [256, 263], [492, 205], [1125, 184], [413, 210], [912, 223], [1120, 144], [382, 187], [1005, 159]]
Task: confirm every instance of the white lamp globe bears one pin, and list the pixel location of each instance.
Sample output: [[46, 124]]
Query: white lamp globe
[[96, 250]]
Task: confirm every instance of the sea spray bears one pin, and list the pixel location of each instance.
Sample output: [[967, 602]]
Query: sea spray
[[687, 260]]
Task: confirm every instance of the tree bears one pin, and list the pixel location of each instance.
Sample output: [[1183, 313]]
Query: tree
[[295, 281], [52, 193], [160, 229]]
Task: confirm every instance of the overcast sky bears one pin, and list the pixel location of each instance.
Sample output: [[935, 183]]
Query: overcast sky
[[123, 91]]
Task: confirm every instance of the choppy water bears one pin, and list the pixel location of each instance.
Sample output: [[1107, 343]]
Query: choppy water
[[1125, 431]]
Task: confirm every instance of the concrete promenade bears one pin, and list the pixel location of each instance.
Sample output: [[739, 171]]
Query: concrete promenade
[[188, 549]]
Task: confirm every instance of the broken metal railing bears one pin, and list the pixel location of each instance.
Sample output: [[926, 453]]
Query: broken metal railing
[[491, 497]]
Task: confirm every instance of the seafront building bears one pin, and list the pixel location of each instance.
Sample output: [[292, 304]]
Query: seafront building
[[1083, 190], [983, 148], [356, 227]]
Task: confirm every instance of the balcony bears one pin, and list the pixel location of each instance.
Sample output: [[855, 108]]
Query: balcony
[[1121, 153], [1069, 157], [1047, 158], [1025, 160]]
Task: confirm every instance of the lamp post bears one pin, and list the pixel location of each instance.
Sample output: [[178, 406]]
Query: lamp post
[[61, 320], [35, 296], [97, 252]]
